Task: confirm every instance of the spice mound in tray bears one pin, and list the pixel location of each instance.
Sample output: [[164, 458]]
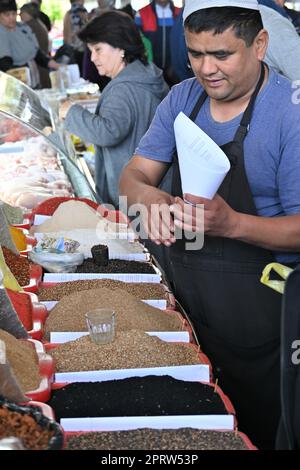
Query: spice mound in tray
[[115, 266], [19, 266], [74, 214], [140, 290], [129, 350], [23, 360], [131, 314], [136, 396], [27, 423], [157, 439]]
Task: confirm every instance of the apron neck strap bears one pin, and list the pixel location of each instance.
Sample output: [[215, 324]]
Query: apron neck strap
[[246, 118]]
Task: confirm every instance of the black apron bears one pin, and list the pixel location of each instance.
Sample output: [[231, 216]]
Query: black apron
[[235, 317]]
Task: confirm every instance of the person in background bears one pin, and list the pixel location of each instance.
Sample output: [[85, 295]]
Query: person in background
[[179, 56], [251, 112], [90, 71], [127, 8], [156, 21], [29, 13], [127, 104], [74, 20], [42, 16], [147, 43], [293, 14], [19, 46], [283, 50], [103, 5]]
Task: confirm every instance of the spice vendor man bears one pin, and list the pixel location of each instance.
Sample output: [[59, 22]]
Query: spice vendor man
[[253, 114]]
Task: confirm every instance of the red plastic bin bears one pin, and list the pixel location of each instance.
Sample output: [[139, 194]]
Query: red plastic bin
[[36, 274], [30, 242], [31, 313], [46, 370], [27, 222]]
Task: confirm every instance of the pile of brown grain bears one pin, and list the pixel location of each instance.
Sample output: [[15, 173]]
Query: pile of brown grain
[[157, 439], [140, 290], [23, 360], [131, 314], [129, 350]]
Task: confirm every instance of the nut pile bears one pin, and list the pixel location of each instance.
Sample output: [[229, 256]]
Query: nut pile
[[23, 360], [157, 439], [19, 266], [25, 428], [115, 266], [131, 314], [130, 350], [140, 290]]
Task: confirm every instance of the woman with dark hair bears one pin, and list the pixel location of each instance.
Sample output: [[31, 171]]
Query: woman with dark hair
[[127, 104]]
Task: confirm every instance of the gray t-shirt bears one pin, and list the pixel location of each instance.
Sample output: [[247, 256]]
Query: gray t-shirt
[[271, 148], [21, 44]]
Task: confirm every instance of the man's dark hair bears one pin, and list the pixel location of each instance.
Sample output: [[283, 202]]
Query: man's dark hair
[[118, 30], [244, 22]]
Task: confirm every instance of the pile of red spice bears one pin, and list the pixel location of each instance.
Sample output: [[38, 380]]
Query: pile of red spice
[[49, 206]]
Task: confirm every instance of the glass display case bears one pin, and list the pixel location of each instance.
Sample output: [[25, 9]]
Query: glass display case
[[40, 150]]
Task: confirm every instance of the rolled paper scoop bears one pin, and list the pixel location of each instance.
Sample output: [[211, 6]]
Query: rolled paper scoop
[[100, 255]]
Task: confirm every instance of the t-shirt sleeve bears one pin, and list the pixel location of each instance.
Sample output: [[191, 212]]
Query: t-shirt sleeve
[[288, 172], [4, 46], [159, 141]]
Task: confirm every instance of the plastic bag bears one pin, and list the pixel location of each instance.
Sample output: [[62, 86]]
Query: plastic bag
[[283, 271], [57, 262]]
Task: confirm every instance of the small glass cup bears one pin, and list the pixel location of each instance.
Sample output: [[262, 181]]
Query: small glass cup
[[101, 325]]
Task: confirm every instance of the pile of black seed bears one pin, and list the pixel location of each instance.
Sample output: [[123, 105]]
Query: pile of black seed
[[137, 396], [116, 266], [157, 439]]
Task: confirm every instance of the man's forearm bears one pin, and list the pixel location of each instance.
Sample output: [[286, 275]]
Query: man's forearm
[[273, 233], [134, 184]]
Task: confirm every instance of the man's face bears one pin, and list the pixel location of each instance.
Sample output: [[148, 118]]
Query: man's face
[[223, 64], [8, 19]]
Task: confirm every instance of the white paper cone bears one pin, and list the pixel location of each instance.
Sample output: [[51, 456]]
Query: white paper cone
[[203, 165]]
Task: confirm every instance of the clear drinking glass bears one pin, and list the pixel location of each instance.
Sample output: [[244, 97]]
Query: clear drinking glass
[[101, 325]]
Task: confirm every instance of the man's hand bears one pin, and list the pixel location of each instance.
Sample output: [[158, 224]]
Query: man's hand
[[52, 64], [157, 219], [218, 220], [64, 108]]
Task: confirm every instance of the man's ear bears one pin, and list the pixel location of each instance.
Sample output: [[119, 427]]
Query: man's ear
[[261, 44]]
